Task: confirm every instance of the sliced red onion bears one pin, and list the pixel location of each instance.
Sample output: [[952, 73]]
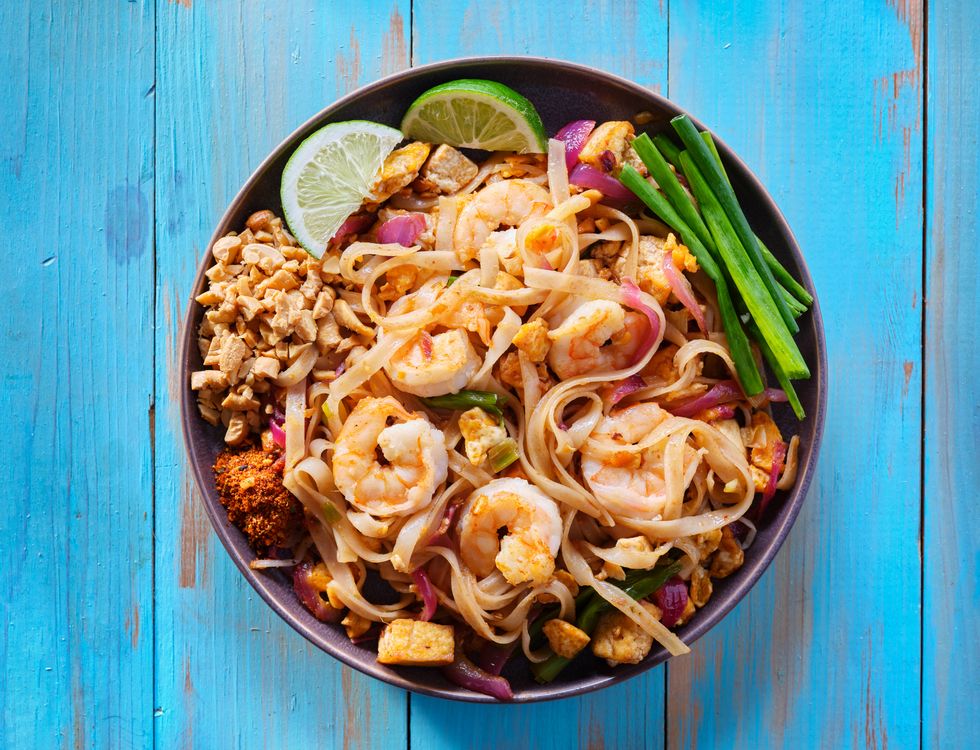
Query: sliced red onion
[[427, 592], [352, 225], [778, 460], [739, 530], [308, 594], [402, 230], [466, 674], [341, 369], [775, 395], [681, 288], [493, 657], [440, 537], [625, 387], [632, 298], [586, 176], [724, 411], [720, 393], [574, 135], [278, 433], [672, 599]]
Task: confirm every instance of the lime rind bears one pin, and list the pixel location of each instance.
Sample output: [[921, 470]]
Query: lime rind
[[473, 113], [328, 177]]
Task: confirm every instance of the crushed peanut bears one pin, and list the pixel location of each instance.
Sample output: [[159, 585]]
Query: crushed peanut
[[265, 301]]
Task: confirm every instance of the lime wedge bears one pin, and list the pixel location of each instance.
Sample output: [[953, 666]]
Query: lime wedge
[[329, 176], [472, 113]]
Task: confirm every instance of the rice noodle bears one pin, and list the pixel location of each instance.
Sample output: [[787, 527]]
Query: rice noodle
[[405, 296]]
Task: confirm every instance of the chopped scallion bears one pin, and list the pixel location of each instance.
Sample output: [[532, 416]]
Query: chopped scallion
[[503, 454]]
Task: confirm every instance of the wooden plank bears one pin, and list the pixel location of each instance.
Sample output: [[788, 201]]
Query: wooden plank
[[76, 363], [824, 100], [951, 618], [628, 38], [233, 79]]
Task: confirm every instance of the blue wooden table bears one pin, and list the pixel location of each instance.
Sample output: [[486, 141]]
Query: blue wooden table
[[126, 128]]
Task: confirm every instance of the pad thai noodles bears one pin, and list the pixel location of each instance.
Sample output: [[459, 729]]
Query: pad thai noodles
[[500, 416]]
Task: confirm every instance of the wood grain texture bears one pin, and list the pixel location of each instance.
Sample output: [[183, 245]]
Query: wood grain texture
[[233, 79], [628, 38], [824, 100], [951, 620], [76, 366]]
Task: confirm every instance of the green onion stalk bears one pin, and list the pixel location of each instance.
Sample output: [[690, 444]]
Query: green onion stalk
[[638, 585], [489, 402], [716, 182], [764, 308], [738, 343]]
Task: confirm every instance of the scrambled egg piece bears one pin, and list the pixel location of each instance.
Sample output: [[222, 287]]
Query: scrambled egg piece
[[509, 371], [650, 262], [764, 428], [564, 638], [729, 556], [417, 644], [689, 610], [399, 169], [701, 586], [619, 640], [532, 339], [398, 281], [763, 434], [481, 432], [355, 625]]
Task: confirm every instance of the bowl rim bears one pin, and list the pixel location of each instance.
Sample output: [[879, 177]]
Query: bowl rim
[[757, 564]]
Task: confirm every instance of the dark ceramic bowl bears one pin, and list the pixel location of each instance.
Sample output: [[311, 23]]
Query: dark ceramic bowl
[[561, 92]]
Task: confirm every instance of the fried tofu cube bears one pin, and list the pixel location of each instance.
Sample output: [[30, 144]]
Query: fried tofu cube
[[447, 170], [532, 339], [619, 640], [565, 639], [480, 432], [417, 644]]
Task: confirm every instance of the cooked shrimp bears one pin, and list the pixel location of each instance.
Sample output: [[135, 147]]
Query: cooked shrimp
[[627, 482], [504, 203], [526, 552], [597, 335], [433, 364], [415, 461]]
